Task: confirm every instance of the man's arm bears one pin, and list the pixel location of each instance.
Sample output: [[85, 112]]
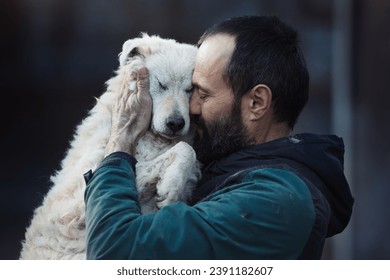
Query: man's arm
[[267, 216]]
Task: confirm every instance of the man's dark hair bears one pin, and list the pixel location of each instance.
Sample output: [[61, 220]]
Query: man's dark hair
[[266, 52]]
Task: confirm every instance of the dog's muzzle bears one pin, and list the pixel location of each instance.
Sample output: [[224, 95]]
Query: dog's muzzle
[[175, 124]]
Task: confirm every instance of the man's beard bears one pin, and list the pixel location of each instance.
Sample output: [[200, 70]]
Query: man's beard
[[221, 137]]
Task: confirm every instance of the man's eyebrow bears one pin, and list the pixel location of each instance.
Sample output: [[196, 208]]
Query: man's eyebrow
[[196, 85]]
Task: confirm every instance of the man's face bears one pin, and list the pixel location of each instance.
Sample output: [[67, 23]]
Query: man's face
[[213, 106]]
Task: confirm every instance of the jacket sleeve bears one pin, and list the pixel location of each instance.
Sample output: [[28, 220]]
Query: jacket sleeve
[[269, 215]]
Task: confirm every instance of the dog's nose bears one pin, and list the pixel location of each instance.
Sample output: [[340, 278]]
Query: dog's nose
[[175, 124]]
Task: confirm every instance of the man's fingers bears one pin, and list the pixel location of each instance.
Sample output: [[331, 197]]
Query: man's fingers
[[143, 79], [142, 73]]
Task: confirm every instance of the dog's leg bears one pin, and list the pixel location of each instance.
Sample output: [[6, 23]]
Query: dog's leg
[[168, 178], [180, 174], [148, 175]]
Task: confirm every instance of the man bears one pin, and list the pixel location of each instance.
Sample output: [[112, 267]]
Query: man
[[264, 194]]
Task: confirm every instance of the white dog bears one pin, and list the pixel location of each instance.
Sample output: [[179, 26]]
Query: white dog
[[167, 168]]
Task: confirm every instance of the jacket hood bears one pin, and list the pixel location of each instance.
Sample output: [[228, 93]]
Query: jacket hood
[[321, 154]]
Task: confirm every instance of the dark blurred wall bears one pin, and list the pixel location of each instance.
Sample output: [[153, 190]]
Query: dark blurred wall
[[371, 130], [56, 56]]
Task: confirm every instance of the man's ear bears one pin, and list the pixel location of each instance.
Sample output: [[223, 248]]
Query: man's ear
[[260, 101]]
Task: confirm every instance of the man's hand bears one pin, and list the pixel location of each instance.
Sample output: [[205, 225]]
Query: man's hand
[[131, 114]]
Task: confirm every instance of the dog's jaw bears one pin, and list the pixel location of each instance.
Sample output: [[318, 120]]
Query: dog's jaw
[[167, 135]]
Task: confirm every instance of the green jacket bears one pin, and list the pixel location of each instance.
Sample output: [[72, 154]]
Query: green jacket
[[276, 200], [268, 215]]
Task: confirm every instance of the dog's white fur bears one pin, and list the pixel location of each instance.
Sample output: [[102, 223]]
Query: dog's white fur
[[166, 169]]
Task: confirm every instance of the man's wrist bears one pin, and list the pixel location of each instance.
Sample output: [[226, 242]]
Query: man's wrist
[[120, 146]]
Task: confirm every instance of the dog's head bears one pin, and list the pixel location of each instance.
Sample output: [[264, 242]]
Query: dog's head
[[170, 66]]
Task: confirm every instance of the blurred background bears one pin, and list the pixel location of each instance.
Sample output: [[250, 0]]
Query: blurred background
[[56, 56]]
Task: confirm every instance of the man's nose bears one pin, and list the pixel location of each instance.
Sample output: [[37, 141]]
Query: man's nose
[[195, 106]]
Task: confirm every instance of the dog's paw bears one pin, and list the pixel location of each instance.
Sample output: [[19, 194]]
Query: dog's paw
[[164, 199]]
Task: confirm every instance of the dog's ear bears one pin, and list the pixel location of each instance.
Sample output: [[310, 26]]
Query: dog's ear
[[134, 52], [135, 49]]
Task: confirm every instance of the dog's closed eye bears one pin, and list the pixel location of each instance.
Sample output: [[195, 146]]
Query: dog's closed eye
[[163, 87], [190, 90]]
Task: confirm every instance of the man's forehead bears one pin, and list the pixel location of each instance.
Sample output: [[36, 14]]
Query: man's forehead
[[214, 54], [216, 48]]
